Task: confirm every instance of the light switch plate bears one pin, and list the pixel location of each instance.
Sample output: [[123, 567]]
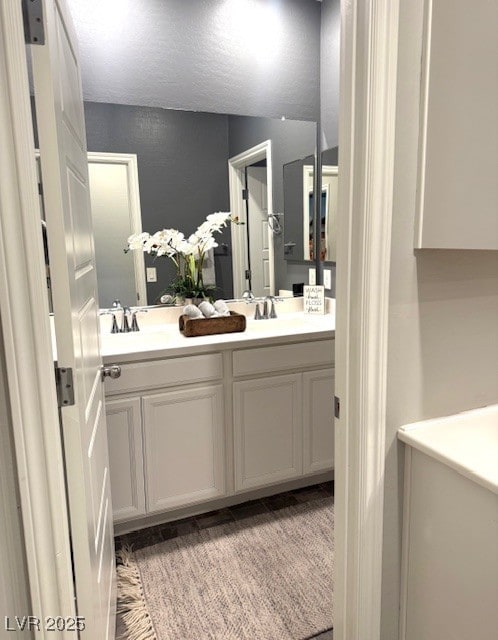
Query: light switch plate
[[151, 274], [311, 276], [327, 278]]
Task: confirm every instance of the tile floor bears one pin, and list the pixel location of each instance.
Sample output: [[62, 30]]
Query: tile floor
[[159, 533]]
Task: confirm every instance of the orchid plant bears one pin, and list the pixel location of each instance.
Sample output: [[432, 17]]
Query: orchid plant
[[188, 255]]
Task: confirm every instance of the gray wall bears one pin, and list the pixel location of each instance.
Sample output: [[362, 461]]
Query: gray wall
[[290, 140], [182, 171], [443, 341], [329, 72], [258, 57]]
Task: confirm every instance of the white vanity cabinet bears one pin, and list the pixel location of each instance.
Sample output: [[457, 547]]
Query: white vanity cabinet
[[187, 432], [283, 424]]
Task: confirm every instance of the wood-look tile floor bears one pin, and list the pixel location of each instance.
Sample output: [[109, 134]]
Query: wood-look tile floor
[[159, 533]]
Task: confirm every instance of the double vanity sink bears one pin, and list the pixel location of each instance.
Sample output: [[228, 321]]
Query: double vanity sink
[[159, 332], [196, 424]]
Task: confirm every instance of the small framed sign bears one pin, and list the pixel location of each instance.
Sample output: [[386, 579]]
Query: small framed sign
[[314, 299]]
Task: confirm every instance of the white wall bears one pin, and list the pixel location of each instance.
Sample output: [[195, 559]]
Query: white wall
[[443, 321], [14, 599]]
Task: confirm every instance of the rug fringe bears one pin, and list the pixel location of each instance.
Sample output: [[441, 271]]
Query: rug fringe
[[131, 600]]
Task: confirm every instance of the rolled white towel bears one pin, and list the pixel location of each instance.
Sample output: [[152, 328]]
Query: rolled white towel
[[221, 307], [192, 311], [207, 309]]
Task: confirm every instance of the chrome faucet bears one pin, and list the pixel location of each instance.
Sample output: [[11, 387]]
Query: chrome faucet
[[125, 327]]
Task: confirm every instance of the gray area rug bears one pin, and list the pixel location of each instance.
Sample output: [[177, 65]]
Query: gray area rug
[[268, 577]]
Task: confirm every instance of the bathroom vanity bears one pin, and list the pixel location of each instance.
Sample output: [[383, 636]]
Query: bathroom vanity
[[200, 423], [450, 528]]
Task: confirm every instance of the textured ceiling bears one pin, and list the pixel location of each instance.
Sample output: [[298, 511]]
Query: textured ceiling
[[254, 57]]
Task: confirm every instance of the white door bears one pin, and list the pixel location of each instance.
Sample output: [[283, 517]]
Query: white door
[[59, 112], [259, 249]]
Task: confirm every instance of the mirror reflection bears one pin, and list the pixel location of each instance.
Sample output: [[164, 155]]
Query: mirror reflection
[[299, 205], [190, 164]]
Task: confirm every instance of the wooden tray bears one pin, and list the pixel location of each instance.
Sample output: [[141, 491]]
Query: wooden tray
[[192, 327]]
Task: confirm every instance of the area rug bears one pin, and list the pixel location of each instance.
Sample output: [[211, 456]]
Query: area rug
[[267, 577]]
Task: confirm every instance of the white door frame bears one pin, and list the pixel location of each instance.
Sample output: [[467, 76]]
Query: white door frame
[[236, 166], [27, 340], [369, 50], [129, 160], [367, 102]]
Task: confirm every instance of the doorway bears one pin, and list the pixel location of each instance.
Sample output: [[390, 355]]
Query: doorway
[[251, 202]]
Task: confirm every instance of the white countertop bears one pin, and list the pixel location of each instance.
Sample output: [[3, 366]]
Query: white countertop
[[467, 442], [164, 339]]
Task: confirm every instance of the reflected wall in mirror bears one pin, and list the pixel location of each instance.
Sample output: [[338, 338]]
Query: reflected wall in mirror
[[183, 171], [299, 203]]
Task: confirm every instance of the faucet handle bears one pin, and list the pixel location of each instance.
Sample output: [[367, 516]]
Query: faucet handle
[[134, 323], [116, 304], [257, 313], [108, 312]]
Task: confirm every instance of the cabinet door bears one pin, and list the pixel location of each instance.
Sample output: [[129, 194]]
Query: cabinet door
[[318, 420], [124, 435], [267, 430], [184, 447]]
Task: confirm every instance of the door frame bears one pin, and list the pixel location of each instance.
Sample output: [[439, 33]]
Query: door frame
[[369, 49], [236, 167], [27, 341], [129, 160], [368, 86]]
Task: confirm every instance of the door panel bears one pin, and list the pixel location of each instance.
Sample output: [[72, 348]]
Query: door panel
[[267, 430], [63, 160], [184, 434]]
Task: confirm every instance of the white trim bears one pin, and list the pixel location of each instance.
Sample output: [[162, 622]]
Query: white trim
[[424, 110], [405, 545], [130, 161], [26, 333], [236, 167], [369, 37]]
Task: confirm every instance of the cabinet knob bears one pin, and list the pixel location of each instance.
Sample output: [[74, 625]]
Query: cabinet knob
[[112, 371]]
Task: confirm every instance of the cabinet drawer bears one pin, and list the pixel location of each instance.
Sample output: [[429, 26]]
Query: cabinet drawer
[[166, 373], [282, 358]]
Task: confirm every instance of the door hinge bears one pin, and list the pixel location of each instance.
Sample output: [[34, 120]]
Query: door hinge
[[32, 11], [337, 407], [245, 194], [64, 386], [247, 274]]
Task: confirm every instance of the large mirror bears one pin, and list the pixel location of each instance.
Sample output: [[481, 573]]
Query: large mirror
[[299, 208], [190, 164], [186, 87]]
